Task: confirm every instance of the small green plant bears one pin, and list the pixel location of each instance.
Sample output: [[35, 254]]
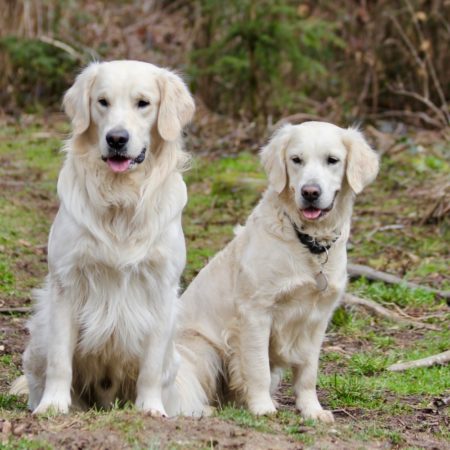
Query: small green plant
[[350, 391], [366, 364]]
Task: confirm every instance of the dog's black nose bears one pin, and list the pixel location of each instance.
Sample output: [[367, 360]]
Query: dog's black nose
[[117, 139], [311, 192]]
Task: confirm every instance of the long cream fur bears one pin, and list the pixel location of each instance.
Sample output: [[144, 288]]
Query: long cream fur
[[256, 309], [104, 320]]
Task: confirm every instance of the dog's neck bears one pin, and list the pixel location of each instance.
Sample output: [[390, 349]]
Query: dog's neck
[[315, 246]]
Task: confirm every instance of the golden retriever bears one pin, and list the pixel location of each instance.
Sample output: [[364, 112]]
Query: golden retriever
[[263, 303], [104, 322]]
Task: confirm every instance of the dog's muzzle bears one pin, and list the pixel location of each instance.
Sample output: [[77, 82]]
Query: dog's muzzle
[[118, 159]]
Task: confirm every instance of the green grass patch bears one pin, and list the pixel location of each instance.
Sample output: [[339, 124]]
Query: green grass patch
[[376, 431], [12, 402], [222, 192], [428, 381], [7, 278], [399, 294], [295, 426], [366, 384], [366, 364], [244, 418], [25, 444], [33, 153], [350, 323], [350, 391]]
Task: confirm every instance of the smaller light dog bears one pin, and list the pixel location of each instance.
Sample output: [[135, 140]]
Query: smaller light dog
[[104, 321], [264, 302]]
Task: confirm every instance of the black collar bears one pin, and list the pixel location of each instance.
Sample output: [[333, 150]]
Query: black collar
[[311, 243]]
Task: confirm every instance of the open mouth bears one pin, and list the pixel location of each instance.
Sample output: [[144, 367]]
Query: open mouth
[[119, 163], [312, 213]]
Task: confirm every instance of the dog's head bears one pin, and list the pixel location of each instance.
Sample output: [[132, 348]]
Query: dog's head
[[120, 103], [314, 161]]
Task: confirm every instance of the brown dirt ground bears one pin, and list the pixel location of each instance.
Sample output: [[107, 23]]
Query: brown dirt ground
[[418, 427]]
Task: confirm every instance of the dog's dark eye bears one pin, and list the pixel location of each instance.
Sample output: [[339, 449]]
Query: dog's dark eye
[[143, 103], [296, 160], [332, 160], [103, 102]]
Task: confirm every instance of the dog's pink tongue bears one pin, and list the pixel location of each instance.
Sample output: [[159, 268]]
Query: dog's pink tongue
[[312, 213], [119, 165]]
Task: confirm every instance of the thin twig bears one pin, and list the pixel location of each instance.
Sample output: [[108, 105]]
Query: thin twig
[[421, 99], [345, 412], [420, 115], [440, 358], [63, 46], [21, 310], [413, 52], [429, 63], [381, 311], [359, 270]]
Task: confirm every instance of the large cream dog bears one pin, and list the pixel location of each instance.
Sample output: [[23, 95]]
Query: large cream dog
[[264, 302], [103, 326]]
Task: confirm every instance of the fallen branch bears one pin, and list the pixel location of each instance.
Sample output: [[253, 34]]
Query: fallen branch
[[358, 270], [440, 358], [381, 311]]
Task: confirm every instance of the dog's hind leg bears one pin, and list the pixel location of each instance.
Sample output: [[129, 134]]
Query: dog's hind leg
[[249, 363], [197, 382]]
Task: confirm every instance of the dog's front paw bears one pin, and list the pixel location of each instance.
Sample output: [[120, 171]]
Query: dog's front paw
[[262, 406], [152, 408], [156, 412], [322, 415], [53, 404], [263, 410]]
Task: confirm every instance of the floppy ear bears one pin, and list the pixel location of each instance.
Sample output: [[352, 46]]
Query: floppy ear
[[176, 107], [76, 101], [273, 158], [362, 161]]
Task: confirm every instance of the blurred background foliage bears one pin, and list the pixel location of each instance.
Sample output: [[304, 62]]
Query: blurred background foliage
[[256, 60]]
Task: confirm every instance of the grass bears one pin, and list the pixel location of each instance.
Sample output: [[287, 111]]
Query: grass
[[245, 419], [26, 444], [222, 191], [398, 294], [11, 402]]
